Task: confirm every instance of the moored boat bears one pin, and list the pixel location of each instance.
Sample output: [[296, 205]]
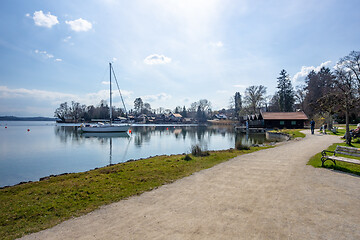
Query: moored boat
[[108, 127]]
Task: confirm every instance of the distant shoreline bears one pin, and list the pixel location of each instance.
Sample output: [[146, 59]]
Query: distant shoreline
[[13, 118]]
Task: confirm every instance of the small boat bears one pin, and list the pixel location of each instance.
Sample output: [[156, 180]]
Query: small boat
[[107, 127]]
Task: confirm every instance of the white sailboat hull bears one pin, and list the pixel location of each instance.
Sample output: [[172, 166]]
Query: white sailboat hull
[[106, 128]]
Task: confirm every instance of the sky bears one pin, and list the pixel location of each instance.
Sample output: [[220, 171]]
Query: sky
[[168, 52]]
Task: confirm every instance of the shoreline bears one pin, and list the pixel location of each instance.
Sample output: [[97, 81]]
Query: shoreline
[[35, 206]]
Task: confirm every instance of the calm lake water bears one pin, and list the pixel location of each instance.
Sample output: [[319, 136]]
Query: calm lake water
[[48, 148]]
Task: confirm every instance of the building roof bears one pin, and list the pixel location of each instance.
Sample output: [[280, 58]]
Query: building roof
[[284, 116], [177, 115]]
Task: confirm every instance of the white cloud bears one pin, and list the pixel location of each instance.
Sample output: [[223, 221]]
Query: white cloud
[[44, 20], [79, 25], [27, 15], [300, 76], [58, 60], [157, 97], [240, 86], [44, 54], [56, 98], [157, 59], [105, 82], [222, 91], [218, 44], [9, 93], [67, 39]]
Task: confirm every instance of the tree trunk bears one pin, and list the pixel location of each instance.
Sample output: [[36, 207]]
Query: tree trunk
[[347, 134]]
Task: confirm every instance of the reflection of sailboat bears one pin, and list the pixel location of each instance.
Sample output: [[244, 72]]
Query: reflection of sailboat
[[106, 128], [110, 136], [105, 135]]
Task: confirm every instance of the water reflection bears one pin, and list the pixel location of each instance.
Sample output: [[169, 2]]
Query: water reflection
[[49, 149], [143, 135], [105, 137], [68, 133]]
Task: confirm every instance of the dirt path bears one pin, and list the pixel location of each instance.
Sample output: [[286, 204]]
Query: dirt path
[[270, 194]]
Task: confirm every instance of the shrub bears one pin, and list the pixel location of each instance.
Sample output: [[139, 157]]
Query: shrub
[[198, 152], [187, 157], [240, 146]]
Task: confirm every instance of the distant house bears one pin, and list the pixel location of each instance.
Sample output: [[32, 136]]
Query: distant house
[[284, 119], [187, 120], [141, 118], [175, 117]]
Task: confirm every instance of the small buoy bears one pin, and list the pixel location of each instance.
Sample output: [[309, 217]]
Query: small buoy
[[167, 128], [129, 131], [5, 127], [28, 130]]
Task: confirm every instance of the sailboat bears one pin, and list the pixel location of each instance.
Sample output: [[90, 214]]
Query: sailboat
[[107, 127]]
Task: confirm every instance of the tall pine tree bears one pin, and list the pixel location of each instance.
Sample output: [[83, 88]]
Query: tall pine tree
[[286, 92], [238, 104]]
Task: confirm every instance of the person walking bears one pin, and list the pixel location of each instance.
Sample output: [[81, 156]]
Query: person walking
[[312, 126], [325, 127]]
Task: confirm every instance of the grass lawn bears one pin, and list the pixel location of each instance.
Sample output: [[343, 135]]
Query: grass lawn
[[341, 129], [315, 161], [35, 206]]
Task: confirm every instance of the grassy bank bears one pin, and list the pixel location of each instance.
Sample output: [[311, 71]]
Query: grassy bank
[[35, 206], [315, 161]]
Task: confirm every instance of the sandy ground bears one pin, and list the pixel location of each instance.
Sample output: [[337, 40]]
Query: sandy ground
[[270, 194]]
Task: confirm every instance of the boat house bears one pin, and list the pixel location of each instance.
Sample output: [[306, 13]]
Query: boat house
[[284, 119], [271, 120]]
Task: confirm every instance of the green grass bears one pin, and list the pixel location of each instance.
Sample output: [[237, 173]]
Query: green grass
[[35, 206], [341, 129], [293, 133], [315, 161]]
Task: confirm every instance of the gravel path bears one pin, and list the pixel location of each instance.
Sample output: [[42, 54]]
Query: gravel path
[[269, 194]]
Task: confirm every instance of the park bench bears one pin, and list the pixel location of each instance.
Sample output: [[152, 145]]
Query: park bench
[[349, 151]]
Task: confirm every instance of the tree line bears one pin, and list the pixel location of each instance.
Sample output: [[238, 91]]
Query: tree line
[[326, 94], [77, 112]]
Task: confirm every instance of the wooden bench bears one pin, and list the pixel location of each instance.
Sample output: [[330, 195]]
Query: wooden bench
[[349, 151]]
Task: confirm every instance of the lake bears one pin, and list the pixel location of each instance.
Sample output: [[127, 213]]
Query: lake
[[30, 150]]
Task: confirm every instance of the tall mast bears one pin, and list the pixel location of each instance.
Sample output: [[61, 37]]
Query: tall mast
[[110, 97]]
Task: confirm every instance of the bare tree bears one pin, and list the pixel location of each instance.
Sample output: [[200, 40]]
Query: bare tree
[[62, 112], [342, 97], [351, 63], [254, 98], [300, 95]]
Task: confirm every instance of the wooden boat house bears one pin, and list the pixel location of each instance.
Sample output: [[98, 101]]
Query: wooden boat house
[[272, 120], [284, 119]]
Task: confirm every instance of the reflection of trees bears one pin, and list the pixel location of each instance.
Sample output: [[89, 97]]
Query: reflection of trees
[[201, 135], [249, 139], [142, 134], [198, 134], [67, 133]]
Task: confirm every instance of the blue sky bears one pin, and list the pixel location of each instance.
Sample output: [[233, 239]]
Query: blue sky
[[170, 53]]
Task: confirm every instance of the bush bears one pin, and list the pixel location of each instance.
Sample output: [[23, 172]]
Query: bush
[[187, 157], [240, 146], [198, 152]]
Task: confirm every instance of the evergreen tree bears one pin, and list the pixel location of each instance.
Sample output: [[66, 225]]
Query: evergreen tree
[[238, 104], [286, 92], [184, 112]]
